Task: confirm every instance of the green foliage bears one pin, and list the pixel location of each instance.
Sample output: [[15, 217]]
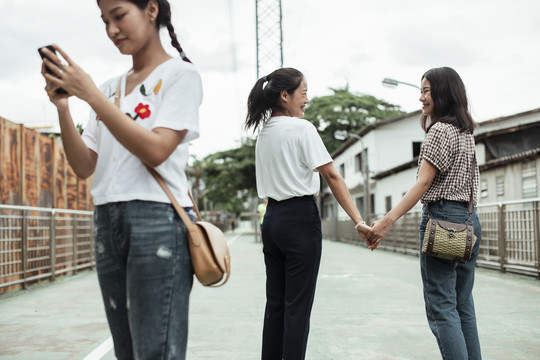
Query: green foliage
[[229, 176], [346, 111]]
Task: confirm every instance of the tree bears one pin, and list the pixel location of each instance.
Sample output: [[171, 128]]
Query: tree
[[346, 111], [229, 176]]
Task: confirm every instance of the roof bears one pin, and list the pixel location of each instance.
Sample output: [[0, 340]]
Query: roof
[[510, 159], [504, 118]]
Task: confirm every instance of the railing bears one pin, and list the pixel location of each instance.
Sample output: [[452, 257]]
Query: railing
[[510, 235], [43, 243]]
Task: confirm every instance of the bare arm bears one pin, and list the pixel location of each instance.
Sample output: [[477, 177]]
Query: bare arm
[[151, 147], [80, 157], [380, 228], [343, 196]]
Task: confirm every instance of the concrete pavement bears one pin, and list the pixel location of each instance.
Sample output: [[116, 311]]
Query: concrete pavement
[[368, 306]]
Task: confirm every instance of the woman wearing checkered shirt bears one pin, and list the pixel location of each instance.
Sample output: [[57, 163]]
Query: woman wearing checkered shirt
[[444, 182]]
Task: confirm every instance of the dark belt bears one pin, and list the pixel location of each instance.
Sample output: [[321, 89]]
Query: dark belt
[[441, 202], [293, 199]]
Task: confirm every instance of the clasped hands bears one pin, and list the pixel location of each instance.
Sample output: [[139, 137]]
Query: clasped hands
[[374, 234]]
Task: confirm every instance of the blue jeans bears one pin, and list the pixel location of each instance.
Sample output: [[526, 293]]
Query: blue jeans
[[448, 289], [145, 274]]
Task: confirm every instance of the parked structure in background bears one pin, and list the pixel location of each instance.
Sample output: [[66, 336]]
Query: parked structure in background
[[508, 150]]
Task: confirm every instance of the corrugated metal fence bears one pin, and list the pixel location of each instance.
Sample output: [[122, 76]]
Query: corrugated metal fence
[[510, 235], [38, 243]]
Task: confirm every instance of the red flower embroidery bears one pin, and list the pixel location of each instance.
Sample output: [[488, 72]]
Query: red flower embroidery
[[143, 111]]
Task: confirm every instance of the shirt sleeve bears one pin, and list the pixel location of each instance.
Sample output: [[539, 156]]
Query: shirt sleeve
[[437, 149], [314, 153], [179, 109]]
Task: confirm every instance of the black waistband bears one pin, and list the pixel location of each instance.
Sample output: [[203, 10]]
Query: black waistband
[[293, 199]]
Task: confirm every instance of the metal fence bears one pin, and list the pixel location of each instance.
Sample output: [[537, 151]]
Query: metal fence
[[43, 243], [510, 235]]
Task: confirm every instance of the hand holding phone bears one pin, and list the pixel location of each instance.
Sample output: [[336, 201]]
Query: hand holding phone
[[49, 71]]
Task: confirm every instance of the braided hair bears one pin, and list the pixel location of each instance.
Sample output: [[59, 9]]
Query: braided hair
[[163, 20]]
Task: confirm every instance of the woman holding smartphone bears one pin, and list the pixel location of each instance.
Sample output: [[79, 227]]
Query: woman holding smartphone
[[289, 157], [142, 257], [446, 177]]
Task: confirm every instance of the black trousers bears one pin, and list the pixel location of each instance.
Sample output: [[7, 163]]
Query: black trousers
[[292, 242]]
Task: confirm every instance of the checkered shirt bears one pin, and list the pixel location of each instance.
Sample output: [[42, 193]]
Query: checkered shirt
[[452, 153]]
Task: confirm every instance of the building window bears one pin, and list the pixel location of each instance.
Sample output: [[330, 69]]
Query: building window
[[528, 176], [358, 166], [360, 204], [358, 162], [342, 170], [500, 185], [416, 146], [388, 202], [372, 203], [483, 189]]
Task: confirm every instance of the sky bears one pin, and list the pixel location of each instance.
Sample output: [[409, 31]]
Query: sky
[[493, 44]]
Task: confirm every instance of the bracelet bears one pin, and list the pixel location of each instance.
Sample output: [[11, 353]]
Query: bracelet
[[360, 223]]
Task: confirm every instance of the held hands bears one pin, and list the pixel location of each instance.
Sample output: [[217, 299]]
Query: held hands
[[379, 229], [363, 230]]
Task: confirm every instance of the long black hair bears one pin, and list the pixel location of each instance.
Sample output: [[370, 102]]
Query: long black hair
[[163, 19], [449, 100], [265, 99]]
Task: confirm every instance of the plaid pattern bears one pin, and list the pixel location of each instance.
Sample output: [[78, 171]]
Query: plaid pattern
[[452, 153]]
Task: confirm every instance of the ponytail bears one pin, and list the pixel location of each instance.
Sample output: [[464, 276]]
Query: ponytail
[[263, 99]]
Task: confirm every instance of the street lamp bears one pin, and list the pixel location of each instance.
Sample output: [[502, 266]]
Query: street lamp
[[393, 83], [343, 135]]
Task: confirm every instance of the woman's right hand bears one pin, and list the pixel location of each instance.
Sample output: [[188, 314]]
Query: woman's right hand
[[59, 100]]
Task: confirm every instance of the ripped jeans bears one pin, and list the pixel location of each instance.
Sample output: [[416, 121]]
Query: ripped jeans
[[145, 275]]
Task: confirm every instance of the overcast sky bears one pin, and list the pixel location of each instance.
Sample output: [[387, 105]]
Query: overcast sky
[[494, 46]]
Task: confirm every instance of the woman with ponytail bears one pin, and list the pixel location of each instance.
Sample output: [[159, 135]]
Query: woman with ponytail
[[142, 257], [289, 156]]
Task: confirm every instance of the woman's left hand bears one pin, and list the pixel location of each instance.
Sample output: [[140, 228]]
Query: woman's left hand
[[379, 229], [70, 76]]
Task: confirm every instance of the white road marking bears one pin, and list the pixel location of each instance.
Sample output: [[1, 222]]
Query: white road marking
[[101, 350]]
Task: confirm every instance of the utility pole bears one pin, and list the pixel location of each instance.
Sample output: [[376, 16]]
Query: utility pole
[[268, 16]]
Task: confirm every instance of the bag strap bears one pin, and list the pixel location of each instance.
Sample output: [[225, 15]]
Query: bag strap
[[472, 186], [179, 209]]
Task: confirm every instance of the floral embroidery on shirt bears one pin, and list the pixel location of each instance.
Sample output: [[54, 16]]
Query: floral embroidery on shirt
[[143, 111], [142, 89], [157, 87]]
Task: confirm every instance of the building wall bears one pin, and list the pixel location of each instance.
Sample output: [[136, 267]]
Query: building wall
[[513, 182], [393, 186]]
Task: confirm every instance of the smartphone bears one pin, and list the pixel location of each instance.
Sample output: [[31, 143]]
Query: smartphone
[[51, 48]]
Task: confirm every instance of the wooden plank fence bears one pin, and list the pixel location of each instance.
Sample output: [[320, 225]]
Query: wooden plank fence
[[34, 172]]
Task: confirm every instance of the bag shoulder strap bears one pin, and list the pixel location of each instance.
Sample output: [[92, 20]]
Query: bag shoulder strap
[[471, 199], [179, 209]]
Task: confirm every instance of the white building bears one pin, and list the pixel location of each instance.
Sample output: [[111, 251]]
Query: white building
[[389, 144]]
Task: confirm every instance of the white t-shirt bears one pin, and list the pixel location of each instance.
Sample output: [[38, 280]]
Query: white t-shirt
[[287, 153], [170, 98]]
